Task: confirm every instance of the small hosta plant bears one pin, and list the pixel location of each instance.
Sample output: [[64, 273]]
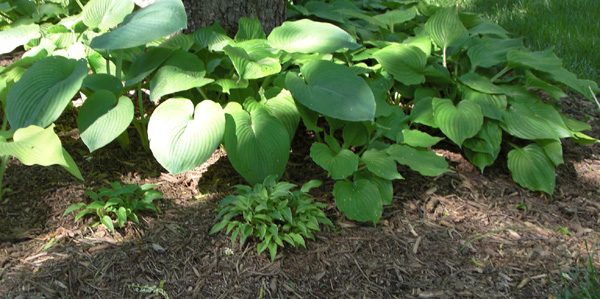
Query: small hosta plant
[[119, 203], [271, 213]]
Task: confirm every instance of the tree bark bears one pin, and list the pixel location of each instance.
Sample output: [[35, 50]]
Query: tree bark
[[201, 13]]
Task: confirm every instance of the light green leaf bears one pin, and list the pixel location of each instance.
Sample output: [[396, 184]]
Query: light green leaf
[[257, 63], [306, 36], [532, 169], [102, 118], [35, 146], [422, 113], [338, 165], [282, 106], [182, 71], [381, 164], [181, 136], [531, 81], [257, 143], [457, 122], [249, 29], [553, 150], [386, 188], [97, 82], [105, 14], [108, 223], [178, 42], [422, 160], [544, 61], [490, 51], [360, 200], [446, 29], [397, 16], [11, 38], [492, 105], [480, 83], [332, 90], [145, 25], [44, 90], [417, 138], [406, 63], [212, 37], [483, 149], [534, 121]]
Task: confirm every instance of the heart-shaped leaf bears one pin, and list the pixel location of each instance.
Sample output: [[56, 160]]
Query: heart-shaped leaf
[[301, 37], [43, 92], [34, 145], [339, 165], [182, 137], [406, 63], [102, 118], [457, 122], [492, 105], [332, 90], [145, 25], [553, 150], [249, 29], [106, 14], [381, 164], [256, 62], [212, 37], [11, 38], [386, 188], [422, 160], [282, 106], [182, 71], [257, 143], [446, 28], [360, 200], [532, 169]]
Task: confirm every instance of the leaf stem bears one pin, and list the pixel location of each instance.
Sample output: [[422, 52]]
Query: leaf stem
[[2, 167], [202, 93], [79, 3], [140, 125], [500, 74], [444, 59], [124, 141]]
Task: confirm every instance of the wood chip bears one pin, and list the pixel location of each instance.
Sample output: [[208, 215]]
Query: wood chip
[[416, 246], [435, 294], [523, 283]]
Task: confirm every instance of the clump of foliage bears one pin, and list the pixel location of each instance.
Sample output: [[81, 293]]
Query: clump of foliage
[[390, 79], [271, 213], [119, 203]]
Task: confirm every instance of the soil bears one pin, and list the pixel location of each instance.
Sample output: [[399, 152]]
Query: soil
[[428, 243]]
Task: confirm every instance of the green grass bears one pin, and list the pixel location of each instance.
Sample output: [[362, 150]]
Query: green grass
[[582, 282], [570, 26]]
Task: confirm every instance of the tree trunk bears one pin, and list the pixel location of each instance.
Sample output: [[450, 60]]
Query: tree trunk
[[201, 13]]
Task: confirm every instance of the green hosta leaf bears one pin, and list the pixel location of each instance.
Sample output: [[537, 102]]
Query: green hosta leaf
[[178, 42], [585, 87], [480, 83], [393, 17], [422, 112], [105, 14], [212, 37], [575, 125], [332, 90], [483, 149], [282, 106], [544, 61], [181, 136], [338, 165], [35, 146], [424, 161], [11, 38], [145, 25], [257, 143], [534, 82], [360, 200], [44, 90], [381, 164], [182, 71], [532, 169], [457, 122], [406, 63], [323, 10], [97, 82], [583, 139], [355, 134], [534, 121], [492, 105], [226, 85], [249, 29], [446, 29], [254, 64], [306, 36], [490, 52], [386, 188], [102, 118], [7, 80], [553, 150], [417, 138]]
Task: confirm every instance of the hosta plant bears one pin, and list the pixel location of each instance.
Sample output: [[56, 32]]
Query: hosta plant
[[119, 204], [271, 213]]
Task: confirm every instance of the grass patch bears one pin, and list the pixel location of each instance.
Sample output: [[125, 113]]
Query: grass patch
[[570, 26], [583, 282]]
